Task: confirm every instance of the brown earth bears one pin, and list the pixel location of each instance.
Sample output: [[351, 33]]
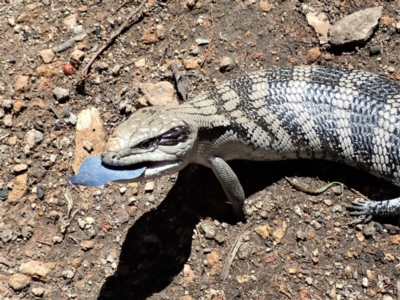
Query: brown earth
[[172, 241]]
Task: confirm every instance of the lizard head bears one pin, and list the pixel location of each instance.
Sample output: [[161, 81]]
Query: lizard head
[[155, 137]]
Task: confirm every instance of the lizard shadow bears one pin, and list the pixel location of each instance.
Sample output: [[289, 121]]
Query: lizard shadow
[[158, 245]]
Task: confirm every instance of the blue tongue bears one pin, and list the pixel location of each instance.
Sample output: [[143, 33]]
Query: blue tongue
[[94, 173]]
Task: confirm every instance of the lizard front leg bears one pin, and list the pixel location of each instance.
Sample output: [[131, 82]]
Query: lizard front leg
[[230, 183]]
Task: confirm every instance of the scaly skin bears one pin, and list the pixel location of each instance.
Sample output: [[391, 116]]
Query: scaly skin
[[343, 115]]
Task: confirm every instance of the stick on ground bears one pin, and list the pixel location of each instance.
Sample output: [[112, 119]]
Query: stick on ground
[[128, 22]]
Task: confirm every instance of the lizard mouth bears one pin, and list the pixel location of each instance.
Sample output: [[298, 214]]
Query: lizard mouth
[[160, 167], [152, 168]]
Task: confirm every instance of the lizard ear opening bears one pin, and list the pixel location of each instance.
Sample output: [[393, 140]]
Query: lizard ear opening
[[175, 136]]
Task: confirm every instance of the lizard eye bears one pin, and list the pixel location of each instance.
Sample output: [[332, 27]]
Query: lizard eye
[[146, 144]]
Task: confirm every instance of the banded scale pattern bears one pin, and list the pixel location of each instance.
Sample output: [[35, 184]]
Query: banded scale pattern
[[344, 115], [350, 116]]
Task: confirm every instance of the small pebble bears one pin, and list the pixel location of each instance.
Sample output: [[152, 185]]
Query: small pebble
[[227, 63], [64, 46], [60, 94], [77, 57], [375, 49], [149, 187], [89, 220], [68, 69], [301, 235], [202, 42], [38, 291], [115, 70], [72, 119], [68, 274], [7, 104], [365, 282], [40, 191], [4, 193], [20, 168], [369, 231], [56, 239]]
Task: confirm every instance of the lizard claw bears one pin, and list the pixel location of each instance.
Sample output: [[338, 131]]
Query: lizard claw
[[362, 207]]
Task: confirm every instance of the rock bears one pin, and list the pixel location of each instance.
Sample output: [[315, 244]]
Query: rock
[[191, 63], [56, 239], [279, 233], [20, 168], [208, 230], [375, 49], [68, 69], [149, 186], [18, 106], [47, 55], [19, 189], [194, 50], [263, 231], [72, 119], [188, 275], [32, 138], [227, 63], [189, 3], [369, 231], [122, 216], [27, 232], [312, 55], [318, 21], [301, 235], [89, 128], [4, 192], [101, 66], [202, 42], [115, 70], [397, 26], [219, 238], [265, 6], [37, 269], [6, 235], [149, 36], [242, 279], [7, 104], [349, 271], [18, 281], [76, 262], [89, 220], [22, 83], [11, 21], [76, 57], [141, 62], [391, 69], [160, 93], [355, 28], [12, 140], [38, 291], [161, 31], [87, 245], [7, 120], [70, 21], [68, 274], [61, 94], [365, 282], [64, 46]]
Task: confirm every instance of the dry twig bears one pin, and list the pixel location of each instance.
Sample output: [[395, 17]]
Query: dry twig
[[128, 22], [210, 46], [232, 253]]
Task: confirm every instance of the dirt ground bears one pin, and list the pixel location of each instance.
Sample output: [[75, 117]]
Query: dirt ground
[[172, 241]]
